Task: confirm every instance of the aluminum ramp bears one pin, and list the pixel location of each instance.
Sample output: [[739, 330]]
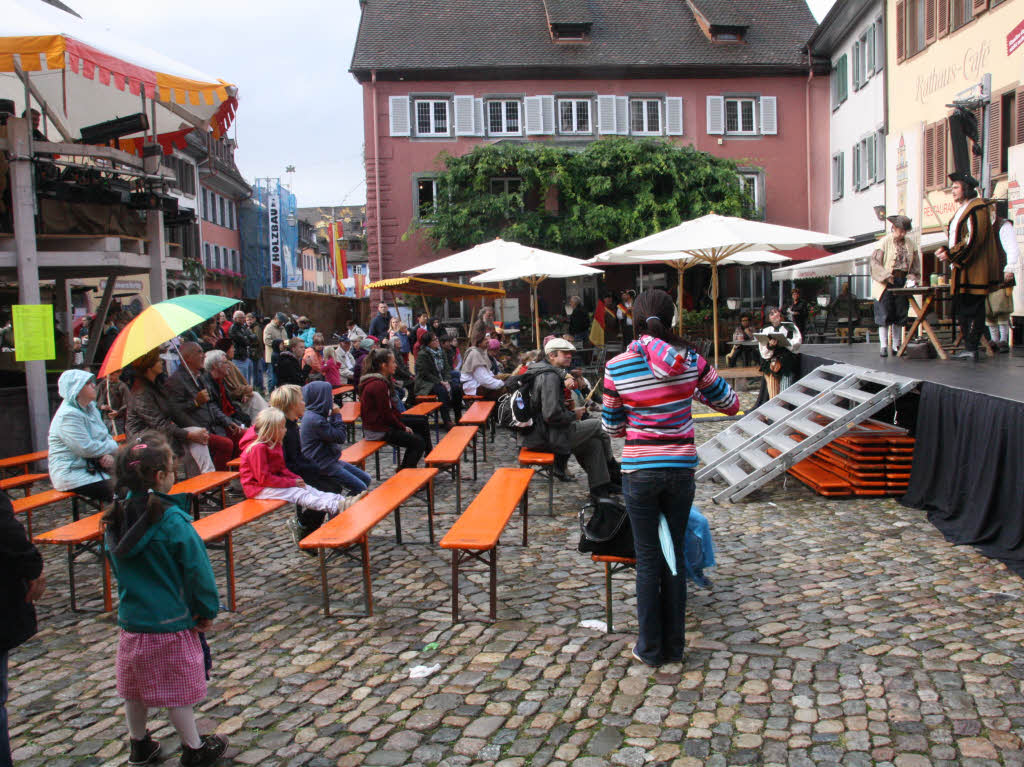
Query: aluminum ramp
[[815, 410]]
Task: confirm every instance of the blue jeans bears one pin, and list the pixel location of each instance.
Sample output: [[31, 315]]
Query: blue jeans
[[259, 369], [660, 596], [245, 368], [5, 737], [353, 477]]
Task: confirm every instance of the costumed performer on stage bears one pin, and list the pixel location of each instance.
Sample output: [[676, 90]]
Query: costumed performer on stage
[[999, 303], [895, 263], [779, 362]]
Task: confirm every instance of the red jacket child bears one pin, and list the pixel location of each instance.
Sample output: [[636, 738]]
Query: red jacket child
[[262, 466]]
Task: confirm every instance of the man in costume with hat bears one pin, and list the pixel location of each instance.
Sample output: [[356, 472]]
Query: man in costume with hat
[[974, 260], [999, 303], [895, 263]]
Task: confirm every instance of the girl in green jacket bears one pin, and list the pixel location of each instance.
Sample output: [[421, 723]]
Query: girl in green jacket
[[167, 597]]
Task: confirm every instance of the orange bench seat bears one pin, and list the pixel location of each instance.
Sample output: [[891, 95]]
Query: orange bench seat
[[22, 481], [31, 503], [447, 454], [476, 532], [612, 566], [546, 467], [22, 461], [351, 527], [357, 453], [81, 536], [479, 414], [201, 486]]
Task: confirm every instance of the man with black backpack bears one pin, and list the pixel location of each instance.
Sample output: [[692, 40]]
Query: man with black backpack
[[557, 428]]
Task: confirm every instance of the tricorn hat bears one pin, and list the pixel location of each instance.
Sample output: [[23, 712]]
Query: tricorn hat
[[903, 222], [965, 178]]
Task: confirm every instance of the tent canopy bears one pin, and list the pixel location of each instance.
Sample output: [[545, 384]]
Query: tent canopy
[[88, 74], [419, 286], [853, 261]]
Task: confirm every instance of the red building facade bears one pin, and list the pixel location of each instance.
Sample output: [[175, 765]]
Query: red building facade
[[728, 78]]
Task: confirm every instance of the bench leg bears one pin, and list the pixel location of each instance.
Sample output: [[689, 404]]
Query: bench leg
[[474, 454], [108, 602], [398, 524], [71, 575], [430, 509], [457, 476], [608, 596], [525, 506], [484, 442], [322, 554], [367, 590], [551, 491], [376, 460], [455, 585], [229, 570], [74, 508], [494, 583], [28, 523]]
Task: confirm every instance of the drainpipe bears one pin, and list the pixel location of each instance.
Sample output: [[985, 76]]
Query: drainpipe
[[807, 130], [376, 178]]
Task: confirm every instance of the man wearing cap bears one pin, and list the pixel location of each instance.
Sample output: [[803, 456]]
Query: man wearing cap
[[895, 263], [974, 259], [559, 430], [274, 331]]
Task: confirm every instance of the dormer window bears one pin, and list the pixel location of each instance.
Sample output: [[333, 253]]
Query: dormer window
[[569, 20], [570, 33], [720, 22], [721, 34]]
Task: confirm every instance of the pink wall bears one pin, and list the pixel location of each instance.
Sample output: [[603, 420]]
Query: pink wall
[[783, 157], [221, 235]]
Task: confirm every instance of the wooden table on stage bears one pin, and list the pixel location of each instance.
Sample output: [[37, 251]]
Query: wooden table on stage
[[929, 294]]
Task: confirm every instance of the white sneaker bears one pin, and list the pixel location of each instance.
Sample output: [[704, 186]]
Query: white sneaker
[[295, 529], [348, 500]]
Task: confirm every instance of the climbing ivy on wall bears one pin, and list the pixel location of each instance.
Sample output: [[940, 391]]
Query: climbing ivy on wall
[[609, 192]]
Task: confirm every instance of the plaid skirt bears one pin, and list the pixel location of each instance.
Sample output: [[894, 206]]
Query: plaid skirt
[[161, 670]]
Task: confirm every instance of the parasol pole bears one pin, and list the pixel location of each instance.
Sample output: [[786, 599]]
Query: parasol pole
[[714, 304]]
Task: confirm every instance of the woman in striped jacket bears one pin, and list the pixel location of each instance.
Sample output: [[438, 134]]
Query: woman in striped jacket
[[647, 394]]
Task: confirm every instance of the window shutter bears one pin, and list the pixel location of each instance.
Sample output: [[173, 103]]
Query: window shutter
[[880, 156], [856, 65], [478, 118], [901, 30], [842, 173], [534, 121], [942, 7], [716, 115], [869, 65], [622, 115], [929, 21], [606, 115], [995, 134], [1019, 104], [769, 116], [843, 78], [980, 6], [464, 115], [929, 156], [398, 115], [879, 45], [547, 112], [674, 116], [976, 159], [856, 166], [940, 154]]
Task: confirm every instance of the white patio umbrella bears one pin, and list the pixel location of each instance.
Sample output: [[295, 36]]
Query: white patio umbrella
[[533, 266], [479, 258], [712, 239]]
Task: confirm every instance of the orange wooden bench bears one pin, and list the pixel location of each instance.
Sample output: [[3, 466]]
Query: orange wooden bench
[[202, 486], [476, 532], [544, 463], [479, 414], [234, 463], [31, 503], [358, 453], [351, 528], [216, 529], [427, 409], [612, 566], [349, 415], [22, 461], [22, 481], [341, 391], [81, 537], [447, 454]]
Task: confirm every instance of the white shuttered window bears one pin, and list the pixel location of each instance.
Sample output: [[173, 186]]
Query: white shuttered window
[[398, 115]]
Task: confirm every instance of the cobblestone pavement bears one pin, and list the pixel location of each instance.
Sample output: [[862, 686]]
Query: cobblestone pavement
[[836, 632]]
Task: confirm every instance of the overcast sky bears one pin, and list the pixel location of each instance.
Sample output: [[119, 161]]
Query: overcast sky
[[298, 103]]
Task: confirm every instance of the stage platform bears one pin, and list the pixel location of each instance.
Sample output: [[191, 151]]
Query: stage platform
[[968, 418], [1000, 376]]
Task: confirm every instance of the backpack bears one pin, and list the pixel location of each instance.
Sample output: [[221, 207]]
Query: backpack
[[517, 408]]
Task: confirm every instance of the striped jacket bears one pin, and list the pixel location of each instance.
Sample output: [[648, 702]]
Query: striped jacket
[[647, 393]]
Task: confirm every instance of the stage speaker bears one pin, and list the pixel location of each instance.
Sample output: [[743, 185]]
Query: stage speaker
[[963, 125]]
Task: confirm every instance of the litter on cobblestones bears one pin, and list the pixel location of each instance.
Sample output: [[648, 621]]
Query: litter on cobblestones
[[594, 624], [419, 672]]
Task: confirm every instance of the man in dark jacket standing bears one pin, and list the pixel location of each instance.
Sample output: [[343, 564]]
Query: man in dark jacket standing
[[560, 430], [381, 322], [243, 339], [21, 583]]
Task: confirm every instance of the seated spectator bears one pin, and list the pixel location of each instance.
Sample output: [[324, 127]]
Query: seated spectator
[[346, 362], [306, 331], [193, 405], [81, 448], [289, 366], [239, 390], [330, 368], [381, 418], [744, 333], [355, 333], [112, 398], [323, 433], [403, 378], [422, 326], [432, 377], [485, 324], [210, 334], [454, 357], [288, 399], [216, 364], [403, 333], [150, 409], [525, 358], [476, 374], [559, 430], [312, 359]]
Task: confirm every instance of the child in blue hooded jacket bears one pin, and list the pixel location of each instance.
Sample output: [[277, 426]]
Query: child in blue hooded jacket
[[167, 597], [322, 432]]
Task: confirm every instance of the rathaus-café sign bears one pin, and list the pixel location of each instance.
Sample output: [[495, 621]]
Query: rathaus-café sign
[[962, 72]]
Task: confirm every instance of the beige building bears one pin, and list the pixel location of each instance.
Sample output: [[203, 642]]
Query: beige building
[[938, 51]]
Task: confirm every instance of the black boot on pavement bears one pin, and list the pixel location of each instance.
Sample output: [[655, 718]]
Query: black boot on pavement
[[213, 748], [145, 751]]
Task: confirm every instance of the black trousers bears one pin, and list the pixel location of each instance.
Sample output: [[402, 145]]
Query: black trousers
[[102, 490], [416, 444], [970, 313]]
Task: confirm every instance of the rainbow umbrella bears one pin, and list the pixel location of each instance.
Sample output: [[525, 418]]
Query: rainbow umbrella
[[158, 324]]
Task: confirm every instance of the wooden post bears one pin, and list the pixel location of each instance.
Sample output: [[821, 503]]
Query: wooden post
[[62, 304], [23, 206], [157, 249], [96, 328]]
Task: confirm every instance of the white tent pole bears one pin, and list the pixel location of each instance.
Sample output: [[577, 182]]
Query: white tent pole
[[50, 114]]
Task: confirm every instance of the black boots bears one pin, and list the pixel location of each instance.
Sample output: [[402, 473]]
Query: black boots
[[145, 751], [212, 749]]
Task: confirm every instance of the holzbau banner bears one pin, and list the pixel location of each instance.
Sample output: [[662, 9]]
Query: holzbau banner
[[274, 230]]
